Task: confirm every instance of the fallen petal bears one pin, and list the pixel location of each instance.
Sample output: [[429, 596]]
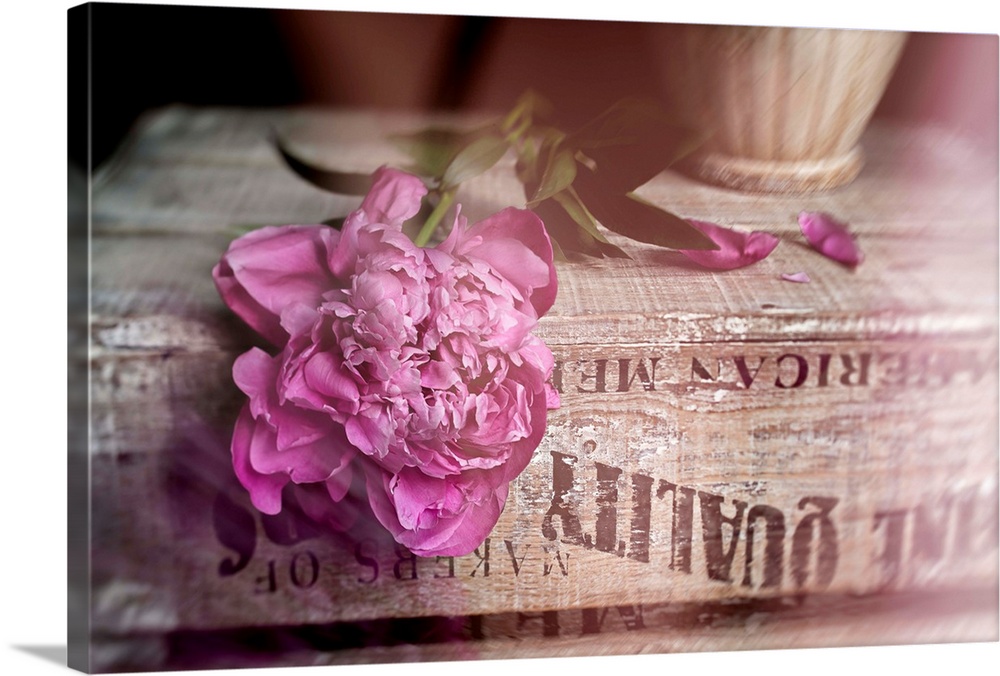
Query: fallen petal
[[830, 237], [799, 277], [736, 249]]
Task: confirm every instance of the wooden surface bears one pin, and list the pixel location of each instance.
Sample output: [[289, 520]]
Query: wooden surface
[[850, 423]]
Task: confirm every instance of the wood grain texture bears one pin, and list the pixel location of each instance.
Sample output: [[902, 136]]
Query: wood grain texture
[[723, 437]]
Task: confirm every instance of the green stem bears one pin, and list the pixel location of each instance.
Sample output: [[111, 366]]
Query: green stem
[[447, 197], [513, 136], [512, 117]]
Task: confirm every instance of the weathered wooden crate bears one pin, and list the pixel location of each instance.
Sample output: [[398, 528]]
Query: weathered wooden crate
[[738, 462]]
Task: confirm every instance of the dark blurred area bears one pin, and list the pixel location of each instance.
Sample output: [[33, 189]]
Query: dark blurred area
[[146, 56]]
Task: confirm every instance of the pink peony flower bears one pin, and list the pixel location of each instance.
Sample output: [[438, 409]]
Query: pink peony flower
[[413, 369]]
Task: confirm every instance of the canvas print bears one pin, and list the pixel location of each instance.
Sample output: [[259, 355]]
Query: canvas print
[[408, 337]]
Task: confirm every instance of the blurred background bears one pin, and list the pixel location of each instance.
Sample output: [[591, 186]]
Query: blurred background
[[147, 56]]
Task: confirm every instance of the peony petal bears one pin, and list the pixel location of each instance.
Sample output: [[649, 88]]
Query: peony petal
[[552, 400], [298, 318], [438, 375], [327, 375], [424, 502], [394, 197], [260, 319], [266, 270], [464, 532], [308, 462], [800, 277], [513, 242], [371, 436], [338, 485], [736, 249], [830, 237], [265, 489], [255, 373], [322, 506], [414, 493], [522, 450], [515, 262]]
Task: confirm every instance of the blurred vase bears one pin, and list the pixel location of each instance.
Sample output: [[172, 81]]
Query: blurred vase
[[784, 107]]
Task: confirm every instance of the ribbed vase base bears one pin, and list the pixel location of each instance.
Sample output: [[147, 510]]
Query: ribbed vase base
[[776, 176]]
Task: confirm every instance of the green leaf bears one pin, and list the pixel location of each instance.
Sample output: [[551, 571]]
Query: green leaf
[[625, 122], [528, 105], [630, 215], [413, 226], [474, 159], [567, 235], [632, 142], [557, 252], [432, 149], [558, 175], [578, 212], [532, 152], [433, 219]]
